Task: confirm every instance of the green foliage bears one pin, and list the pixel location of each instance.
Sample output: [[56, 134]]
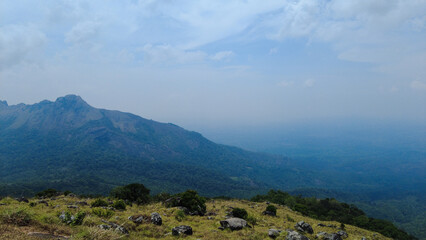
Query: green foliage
[[134, 192], [119, 205], [189, 199], [290, 219], [161, 197], [75, 220], [272, 208], [102, 213], [252, 220], [180, 215], [48, 193], [99, 203], [66, 193], [239, 213], [333, 210], [32, 204], [18, 217]]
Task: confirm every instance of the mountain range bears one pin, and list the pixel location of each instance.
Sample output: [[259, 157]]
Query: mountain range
[[69, 145]]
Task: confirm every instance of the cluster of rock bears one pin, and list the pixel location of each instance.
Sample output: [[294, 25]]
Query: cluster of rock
[[113, 226], [182, 230], [140, 219]]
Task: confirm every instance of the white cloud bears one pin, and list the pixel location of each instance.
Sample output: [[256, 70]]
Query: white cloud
[[224, 55], [418, 85], [19, 43]]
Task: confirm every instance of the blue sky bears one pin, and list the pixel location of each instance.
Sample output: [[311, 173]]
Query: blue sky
[[220, 62]]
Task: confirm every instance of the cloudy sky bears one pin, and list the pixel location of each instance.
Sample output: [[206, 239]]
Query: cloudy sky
[[220, 62]]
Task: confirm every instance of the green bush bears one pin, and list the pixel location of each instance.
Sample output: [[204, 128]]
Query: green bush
[[102, 213], [99, 203], [134, 192], [239, 213], [77, 219], [66, 193], [251, 220], [195, 204], [179, 215], [48, 193], [272, 208], [119, 204]]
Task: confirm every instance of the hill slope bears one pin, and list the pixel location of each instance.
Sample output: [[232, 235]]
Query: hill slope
[[45, 219], [67, 144]]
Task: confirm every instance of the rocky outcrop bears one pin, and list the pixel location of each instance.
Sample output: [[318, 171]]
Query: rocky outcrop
[[156, 219], [293, 235], [274, 233], [327, 236], [234, 223], [342, 234], [182, 230], [139, 219], [304, 227], [116, 227]]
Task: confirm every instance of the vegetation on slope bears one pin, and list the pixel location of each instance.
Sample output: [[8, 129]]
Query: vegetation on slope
[[18, 219], [331, 209]]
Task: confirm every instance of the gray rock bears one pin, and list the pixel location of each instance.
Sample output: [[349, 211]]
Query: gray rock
[[293, 235], [342, 234], [274, 233], [321, 225], [182, 230], [269, 213], [304, 227], [327, 236], [139, 219], [156, 219], [116, 227], [234, 223], [104, 227]]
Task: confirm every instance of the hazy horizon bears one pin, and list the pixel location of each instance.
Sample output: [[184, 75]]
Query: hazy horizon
[[221, 64]]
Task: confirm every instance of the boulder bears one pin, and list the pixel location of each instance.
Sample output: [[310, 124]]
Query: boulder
[[104, 227], [342, 234], [304, 227], [182, 230], [269, 213], [327, 236], [156, 219], [234, 223], [116, 227], [274, 233], [139, 219], [293, 235]]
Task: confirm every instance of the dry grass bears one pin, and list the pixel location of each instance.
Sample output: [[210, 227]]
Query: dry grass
[[45, 219]]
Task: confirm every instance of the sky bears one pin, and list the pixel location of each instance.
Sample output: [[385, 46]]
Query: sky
[[222, 62]]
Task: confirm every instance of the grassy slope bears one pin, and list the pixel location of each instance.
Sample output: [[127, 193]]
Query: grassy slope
[[44, 219]]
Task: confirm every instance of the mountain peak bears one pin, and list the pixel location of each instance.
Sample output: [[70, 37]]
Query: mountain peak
[[3, 103], [71, 100]]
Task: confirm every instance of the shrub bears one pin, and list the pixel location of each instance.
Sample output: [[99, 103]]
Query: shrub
[[19, 217], [102, 213], [239, 213], [48, 193], [99, 203], [119, 204], [179, 215], [251, 220], [77, 219], [161, 197], [272, 208], [134, 192], [290, 219], [195, 204], [66, 193]]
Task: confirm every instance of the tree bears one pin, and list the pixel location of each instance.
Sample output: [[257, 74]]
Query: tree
[[135, 193]]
